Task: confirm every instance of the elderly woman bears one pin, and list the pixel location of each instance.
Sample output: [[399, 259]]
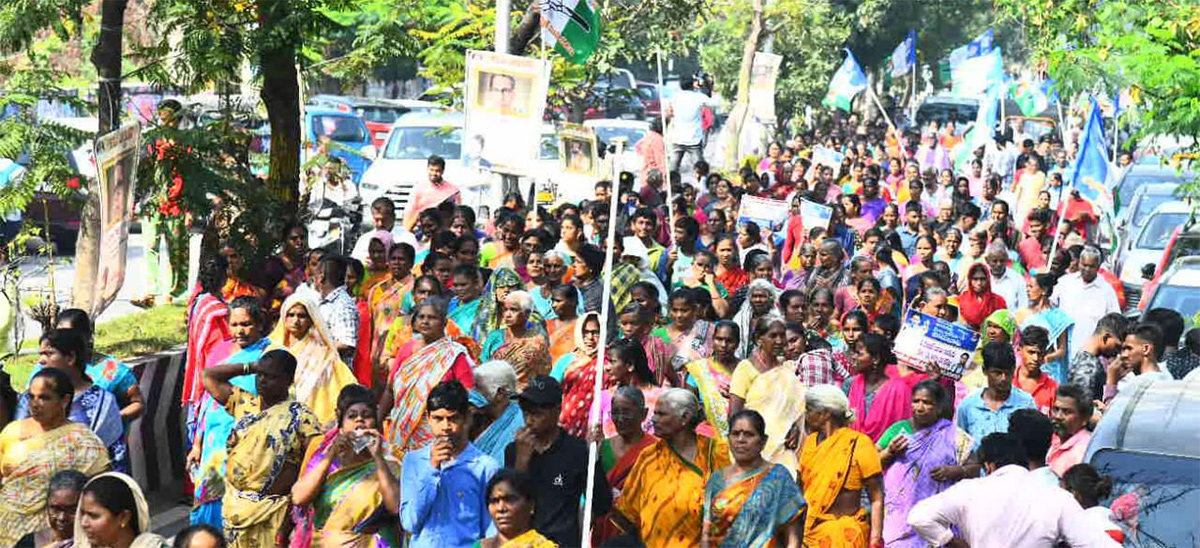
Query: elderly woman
[[33, 449], [577, 372], [421, 364], [62, 503], [763, 383], [662, 501], [320, 372], [521, 341], [760, 301], [499, 417], [758, 267], [348, 479], [830, 271], [751, 502], [836, 464]]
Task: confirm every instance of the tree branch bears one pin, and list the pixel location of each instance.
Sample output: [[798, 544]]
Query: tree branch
[[526, 30]]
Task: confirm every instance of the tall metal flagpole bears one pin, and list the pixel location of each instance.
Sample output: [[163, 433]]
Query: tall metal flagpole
[[662, 113], [594, 414]]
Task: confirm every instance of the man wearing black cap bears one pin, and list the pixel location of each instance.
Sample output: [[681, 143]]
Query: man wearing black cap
[[557, 463]]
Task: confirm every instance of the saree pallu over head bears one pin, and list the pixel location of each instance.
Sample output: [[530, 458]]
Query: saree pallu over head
[[349, 510], [974, 308], [407, 428], [208, 325], [748, 511], [843, 461], [664, 493], [144, 540], [892, 402], [1056, 322], [260, 446], [907, 481], [487, 318], [28, 464], [712, 383], [320, 372], [778, 395], [213, 426]]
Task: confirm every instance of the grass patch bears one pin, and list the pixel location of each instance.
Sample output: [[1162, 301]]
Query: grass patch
[[137, 334]]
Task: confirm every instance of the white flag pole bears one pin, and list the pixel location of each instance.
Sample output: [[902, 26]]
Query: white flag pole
[[1062, 135], [662, 112], [594, 448]]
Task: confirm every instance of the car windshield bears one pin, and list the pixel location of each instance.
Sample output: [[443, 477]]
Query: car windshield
[[381, 115], [343, 129], [1184, 299], [419, 143], [1186, 245], [1134, 181], [1154, 496], [1157, 232], [630, 134], [1146, 206]]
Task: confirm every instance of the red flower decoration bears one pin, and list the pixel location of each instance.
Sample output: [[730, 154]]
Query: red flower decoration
[[73, 183]]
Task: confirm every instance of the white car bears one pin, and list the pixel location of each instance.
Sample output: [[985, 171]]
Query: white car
[[1149, 242]]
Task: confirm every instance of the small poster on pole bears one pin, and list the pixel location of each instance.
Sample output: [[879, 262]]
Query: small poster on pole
[[578, 149], [924, 339], [768, 214], [116, 161]]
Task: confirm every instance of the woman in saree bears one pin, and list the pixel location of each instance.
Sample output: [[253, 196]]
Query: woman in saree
[[1000, 326], [662, 501], [522, 341], [361, 366], [347, 494], [235, 286], [1058, 323], [511, 502], [619, 452], [728, 271], [320, 372], [503, 281], [206, 460], [564, 302], [911, 451], [978, 301], [265, 447], [625, 365], [689, 334], [923, 261], [401, 331], [820, 318], [578, 376], [113, 513], [207, 327], [710, 378], [421, 364], [497, 417], [760, 301], [386, 300], [762, 383], [752, 503], [836, 464], [284, 271], [106, 371], [33, 449], [878, 396], [377, 260], [872, 300]]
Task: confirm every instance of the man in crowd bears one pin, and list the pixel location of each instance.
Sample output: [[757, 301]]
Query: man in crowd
[[337, 306], [684, 110], [1006, 282], [1071, 413], [383, 215], [1085, 296], [1087, 370], [987, 410], [1138, 361]]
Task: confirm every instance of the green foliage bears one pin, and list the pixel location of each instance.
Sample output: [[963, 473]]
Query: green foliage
[[21, 21], [1149, 46]]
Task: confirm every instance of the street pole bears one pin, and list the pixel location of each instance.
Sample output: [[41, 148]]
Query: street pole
[[503, 9], [662, 113], [594, 414]]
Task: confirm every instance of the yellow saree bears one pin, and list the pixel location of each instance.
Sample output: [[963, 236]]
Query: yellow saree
[[29, 456], [778, 395], [843, 461], [320, 372], [664, 494], [712, 382], [349, 508], [261, 446]]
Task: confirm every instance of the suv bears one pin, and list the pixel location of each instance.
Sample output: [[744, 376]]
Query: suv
[[1140, 175], [347, 130], [1179, 289]]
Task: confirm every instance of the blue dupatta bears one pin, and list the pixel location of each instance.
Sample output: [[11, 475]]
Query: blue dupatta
[[499, 434], [1056, 322]]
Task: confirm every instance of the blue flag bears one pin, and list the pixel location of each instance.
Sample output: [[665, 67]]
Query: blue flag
[[904, 57], [981, 45], [1091, 167], [975, 76], [848, 81]]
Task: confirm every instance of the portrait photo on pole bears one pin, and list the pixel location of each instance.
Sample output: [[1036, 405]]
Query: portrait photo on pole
[[506, 96]]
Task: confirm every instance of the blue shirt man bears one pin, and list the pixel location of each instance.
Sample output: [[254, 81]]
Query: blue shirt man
[[987, 410], [443, 499]]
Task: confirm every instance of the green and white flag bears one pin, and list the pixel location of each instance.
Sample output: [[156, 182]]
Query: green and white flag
[[848, 81], [1031, 97], [571, 27]]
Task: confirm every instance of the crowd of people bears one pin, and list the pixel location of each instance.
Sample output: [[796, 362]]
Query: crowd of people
[[437, 387]]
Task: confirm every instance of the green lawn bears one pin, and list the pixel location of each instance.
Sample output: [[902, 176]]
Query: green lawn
[[138, 334]]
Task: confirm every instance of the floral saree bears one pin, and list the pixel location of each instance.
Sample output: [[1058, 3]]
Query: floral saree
[[406, 428], [711, 380], [529, 355], [748, 511], [385, 300], [349, 511], [28, 458], [907, 481], [778, 396]]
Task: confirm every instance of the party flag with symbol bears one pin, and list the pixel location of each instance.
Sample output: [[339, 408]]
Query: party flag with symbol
[[1031, 97], [975, 76], [848, 81], [1091, 167], [904, 57], [571, 27]]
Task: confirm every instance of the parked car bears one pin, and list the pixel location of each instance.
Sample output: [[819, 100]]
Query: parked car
[[345, 129], [1184, 242], [651, 98], [402, 162], [631, 131], [1179, 289], [1146, 244], [606, 101], [943, 107], [1143, 203], [378, 114], [1138, 176], [1149, 444]]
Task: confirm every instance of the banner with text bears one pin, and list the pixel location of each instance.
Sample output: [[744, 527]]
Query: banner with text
[[924, 339], [116, 162], [768, 214], [815, 215]]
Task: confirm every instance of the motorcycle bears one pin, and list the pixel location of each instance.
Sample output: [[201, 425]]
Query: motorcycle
[[332, 226]]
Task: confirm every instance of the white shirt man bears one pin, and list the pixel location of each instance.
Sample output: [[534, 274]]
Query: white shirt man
[[1086, 297], [685, 110]]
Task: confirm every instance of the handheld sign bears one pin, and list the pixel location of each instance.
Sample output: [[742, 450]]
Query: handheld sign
[[815, 214], [768, 214], [924, 339]]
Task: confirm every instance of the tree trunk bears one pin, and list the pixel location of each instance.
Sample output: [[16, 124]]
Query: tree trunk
[[741, 109], [106, 57], [281, 96], [526, 30]]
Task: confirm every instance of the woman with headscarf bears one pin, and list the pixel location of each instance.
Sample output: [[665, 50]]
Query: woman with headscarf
[[760, 301], [386, 301], [578, 371], [1000, 326], [347, 493], [377, 260], [320, 372], [116, 513], [503, 281], [420, 365], [830, 271], [497, 415], [978, 301], [762, 382], [522, 341]]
